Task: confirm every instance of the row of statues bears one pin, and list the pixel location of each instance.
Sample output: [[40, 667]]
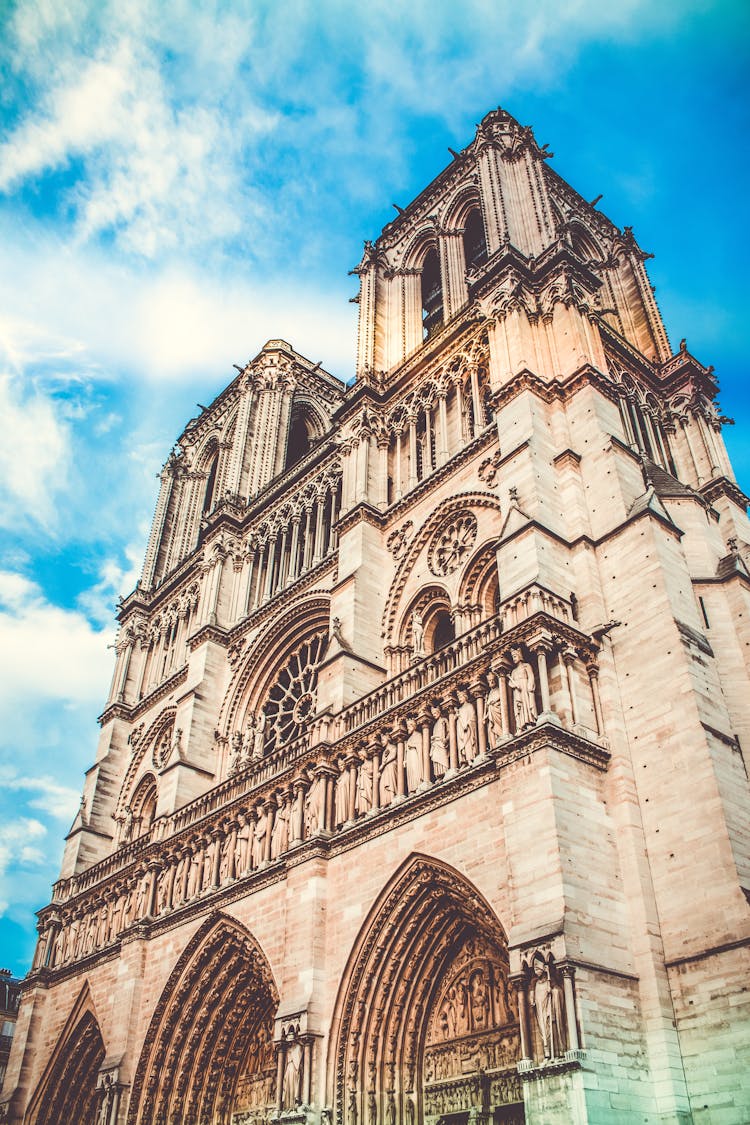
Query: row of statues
[[248, 745]]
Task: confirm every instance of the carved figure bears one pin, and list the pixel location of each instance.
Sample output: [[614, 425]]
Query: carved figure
[[341, 795], [242, 850], [314, 806], [388, 775], [466, 728], [225, 867], [521, 683], [417, 635], [194, 875], [140, 897], [494, 708], [280, 833], [480, 1001], [259, 737], [235, 760], [413, 756], [259, 836], [163, 892], [364, 788], [291, 1084], [546, 998], [439, 754], [127, 829]]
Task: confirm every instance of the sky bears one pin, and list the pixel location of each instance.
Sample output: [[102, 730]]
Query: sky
[[181, 182]]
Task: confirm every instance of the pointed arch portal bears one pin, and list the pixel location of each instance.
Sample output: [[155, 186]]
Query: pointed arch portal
[[426, 1021], [68, 1091], [209, 1052]]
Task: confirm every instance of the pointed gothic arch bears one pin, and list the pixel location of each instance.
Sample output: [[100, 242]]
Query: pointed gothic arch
[[67, 1090], [425, 998], [208, 1052]]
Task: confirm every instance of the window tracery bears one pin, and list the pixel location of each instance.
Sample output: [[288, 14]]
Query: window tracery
[[452, 543], [291, 701]]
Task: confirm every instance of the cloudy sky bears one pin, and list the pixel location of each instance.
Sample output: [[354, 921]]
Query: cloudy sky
[[181, 182]]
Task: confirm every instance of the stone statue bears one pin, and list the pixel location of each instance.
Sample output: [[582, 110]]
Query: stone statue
[[314, 806], [417, 635], [259, 738], [341, 796], [546, 998], [521, 683], [466, 729], [494, 709], [225, 867], [194, 875], [439, 754], [280, 831], [235, 760], [364, 788], [413, 756], [291, 1083], [259, 836], [242, 850], [388, 778]]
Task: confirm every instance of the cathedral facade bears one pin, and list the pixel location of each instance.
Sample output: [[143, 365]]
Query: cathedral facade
[[420, 796]]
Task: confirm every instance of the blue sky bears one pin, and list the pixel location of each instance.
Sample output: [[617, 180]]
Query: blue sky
[[180, 183]]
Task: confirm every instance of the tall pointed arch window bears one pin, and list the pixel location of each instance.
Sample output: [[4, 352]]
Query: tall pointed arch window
[[432, 294], [475, 243], [208, 496]]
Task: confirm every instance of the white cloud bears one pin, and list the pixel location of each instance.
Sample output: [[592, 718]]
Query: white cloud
[[17, 852], [47, 652], [53, 798], [34, 454]]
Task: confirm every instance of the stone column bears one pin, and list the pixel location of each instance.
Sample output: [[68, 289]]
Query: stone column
[[412, 453], [568, 973], [593, 673], [383, 441], [397, 483], [153, 873], [352, 761], [270, 808], [298, 811], [307, 1070], [425, 728], [568, 657], [479, 691], [280, 1053], [293, 550], [216, 858], [541, 651], [452, 741], [442, 442], [398, 735], [520, 985], [268, 590], [375, 777]]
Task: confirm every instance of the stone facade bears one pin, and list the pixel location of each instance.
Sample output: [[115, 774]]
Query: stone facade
[[420, 793]]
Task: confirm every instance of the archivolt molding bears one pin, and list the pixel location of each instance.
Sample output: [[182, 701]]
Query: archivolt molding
[[460, 204], [266, 654], [480, 571], [142, 741], [456, 505], [67, 1090], [219, 997], [393, 975]]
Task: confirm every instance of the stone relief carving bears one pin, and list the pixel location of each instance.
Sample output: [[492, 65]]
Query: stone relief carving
[[489, 469], [417, 635], [452, 543], [398, 539]]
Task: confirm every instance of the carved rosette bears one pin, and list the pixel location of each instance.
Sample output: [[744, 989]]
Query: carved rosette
[[452, 543]]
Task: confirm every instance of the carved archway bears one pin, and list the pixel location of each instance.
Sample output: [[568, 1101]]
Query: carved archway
[[208, 1053], [67, 1090], [426, 1024]]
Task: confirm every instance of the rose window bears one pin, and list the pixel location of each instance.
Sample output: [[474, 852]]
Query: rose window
[[291, 700], [452, 544]]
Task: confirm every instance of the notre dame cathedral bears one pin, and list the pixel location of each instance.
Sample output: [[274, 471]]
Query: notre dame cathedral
[[420, 796]]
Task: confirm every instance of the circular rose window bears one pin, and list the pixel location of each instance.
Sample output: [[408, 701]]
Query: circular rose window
[[291, 700], [452, 544]]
